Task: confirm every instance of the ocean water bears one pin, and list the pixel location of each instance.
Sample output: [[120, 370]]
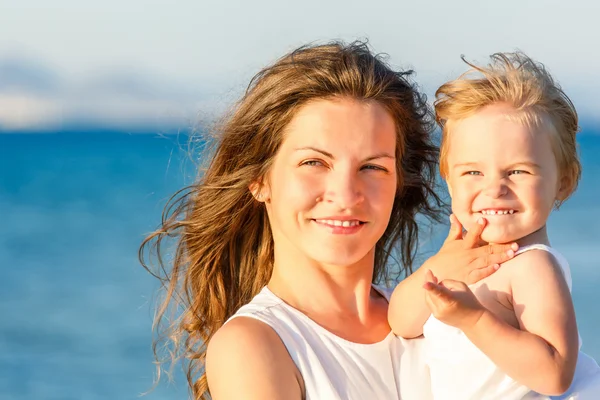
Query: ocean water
[[76, 306]]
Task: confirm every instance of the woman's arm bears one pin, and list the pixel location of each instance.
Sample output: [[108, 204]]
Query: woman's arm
[[542, 354], [462, 259], [246, 360]]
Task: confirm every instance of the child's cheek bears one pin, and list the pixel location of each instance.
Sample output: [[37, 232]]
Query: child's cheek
[[461, 207]]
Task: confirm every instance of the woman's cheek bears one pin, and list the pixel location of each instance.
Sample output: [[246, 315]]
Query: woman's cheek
[[305, 187], [379, 190]]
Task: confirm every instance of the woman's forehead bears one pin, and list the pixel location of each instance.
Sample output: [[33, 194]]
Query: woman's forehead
[[340, 121]]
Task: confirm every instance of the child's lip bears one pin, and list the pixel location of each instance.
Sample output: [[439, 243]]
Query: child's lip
[[497, 211]]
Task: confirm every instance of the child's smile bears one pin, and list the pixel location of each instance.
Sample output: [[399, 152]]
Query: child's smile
[[497, 211]]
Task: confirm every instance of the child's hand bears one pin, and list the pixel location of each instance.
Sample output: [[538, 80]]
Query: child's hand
[[452, 302], [466, 259]]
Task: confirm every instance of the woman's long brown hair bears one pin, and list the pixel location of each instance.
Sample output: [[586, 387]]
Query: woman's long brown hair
[[223, 252]]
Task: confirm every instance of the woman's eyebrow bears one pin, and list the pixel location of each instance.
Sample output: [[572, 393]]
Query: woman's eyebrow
[[380, 155], [329, 155], [325, 153]]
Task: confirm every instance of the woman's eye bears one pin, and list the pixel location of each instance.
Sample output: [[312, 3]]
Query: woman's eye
[[312, 163], [374, 167]]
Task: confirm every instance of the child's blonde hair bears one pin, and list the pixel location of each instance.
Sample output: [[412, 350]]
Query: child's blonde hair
[[519, 81]]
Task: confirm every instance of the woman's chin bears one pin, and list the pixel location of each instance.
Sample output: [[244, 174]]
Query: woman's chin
[[339, 258]]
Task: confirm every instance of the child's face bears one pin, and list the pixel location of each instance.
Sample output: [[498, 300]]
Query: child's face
[[503, 171]]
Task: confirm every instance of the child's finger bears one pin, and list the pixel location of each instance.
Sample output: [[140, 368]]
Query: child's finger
[[473, 236], [438, 291], [481, 273], [452, 285], [494, 253], [430, 277], [456, 229]]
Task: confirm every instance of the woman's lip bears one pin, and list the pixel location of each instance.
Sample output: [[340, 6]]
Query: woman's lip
[[340, 218], [351, 228], [346, 222]]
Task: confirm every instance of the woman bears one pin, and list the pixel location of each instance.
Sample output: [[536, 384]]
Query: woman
[[317, 179]]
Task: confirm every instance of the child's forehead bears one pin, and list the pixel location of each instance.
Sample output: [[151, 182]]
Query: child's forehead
[[500, 123], [491, 130], [491, 115], [496, 137]]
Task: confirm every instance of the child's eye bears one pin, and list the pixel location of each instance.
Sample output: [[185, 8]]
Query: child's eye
[[517, 172], [472, 173]]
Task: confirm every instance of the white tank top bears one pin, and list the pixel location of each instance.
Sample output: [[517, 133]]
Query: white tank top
[[335, 369], [459, 370]]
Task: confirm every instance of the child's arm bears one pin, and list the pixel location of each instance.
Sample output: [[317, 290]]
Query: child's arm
[[542, 354], [460, 259]]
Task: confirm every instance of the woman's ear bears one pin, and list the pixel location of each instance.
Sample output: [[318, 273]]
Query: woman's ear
[[260, 192]]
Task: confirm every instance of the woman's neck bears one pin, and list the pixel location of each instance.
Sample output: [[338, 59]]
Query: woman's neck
[[326, 291]]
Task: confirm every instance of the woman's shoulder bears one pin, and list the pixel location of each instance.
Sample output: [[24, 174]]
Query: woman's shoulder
[[246, 356], [241, 335], [247, 330]]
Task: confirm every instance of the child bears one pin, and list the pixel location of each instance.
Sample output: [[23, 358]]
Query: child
[[508, 156]]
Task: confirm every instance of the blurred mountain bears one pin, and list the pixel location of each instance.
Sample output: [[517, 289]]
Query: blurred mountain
[[22, 75], [34, 97]]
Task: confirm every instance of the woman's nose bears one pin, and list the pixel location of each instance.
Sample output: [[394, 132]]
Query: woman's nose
[[345, 190]]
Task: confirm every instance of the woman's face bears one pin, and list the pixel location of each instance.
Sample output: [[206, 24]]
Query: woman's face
[[331, 188]]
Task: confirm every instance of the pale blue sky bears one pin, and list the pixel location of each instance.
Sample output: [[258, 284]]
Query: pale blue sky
[[202, 53]]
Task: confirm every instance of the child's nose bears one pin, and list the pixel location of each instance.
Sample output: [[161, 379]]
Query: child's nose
[[496, 188]]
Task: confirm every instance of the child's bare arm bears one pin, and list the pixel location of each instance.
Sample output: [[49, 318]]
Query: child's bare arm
[[408, 311], [461, 259], [542, 354]]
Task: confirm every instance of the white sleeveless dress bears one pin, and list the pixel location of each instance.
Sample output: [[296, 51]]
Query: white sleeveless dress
[[460, 371], [335, 369]]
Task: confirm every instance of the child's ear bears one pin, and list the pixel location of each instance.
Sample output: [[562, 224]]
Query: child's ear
[[565, 187], [260, 192]]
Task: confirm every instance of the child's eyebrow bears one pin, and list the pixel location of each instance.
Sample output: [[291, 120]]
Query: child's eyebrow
[[467, 164], [525, 164], [511, 166]]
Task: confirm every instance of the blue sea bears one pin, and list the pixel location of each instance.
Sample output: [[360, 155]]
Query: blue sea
[[76, 305]]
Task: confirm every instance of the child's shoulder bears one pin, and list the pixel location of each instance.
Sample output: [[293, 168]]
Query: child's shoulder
[[538, 262]]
